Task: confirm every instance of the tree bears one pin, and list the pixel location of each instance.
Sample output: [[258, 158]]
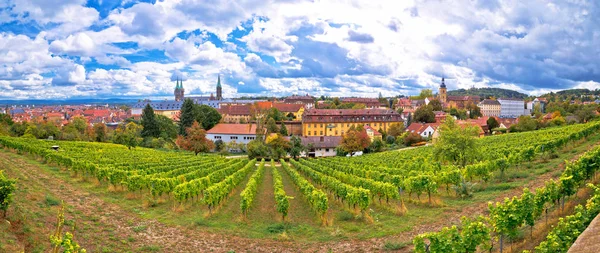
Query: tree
[[458, 113], [424, 114], [80, 124], [277, 146], [257, 149], [275, 114], [354, 141], [525, 123], [359, 106], [186, 116], [396, 129], [149, 124], [435, 104], [283, 130], [474, 111], [207, 116], [376, 146], [219, 145], [425, 93], [18, 129], [456, 144], [7, 187], [128, 135], [272, 126], [492, 123], [585, 114], [195, 140], [166, 126], [6, 119], [100, 130], [412, 138], [296, 147]]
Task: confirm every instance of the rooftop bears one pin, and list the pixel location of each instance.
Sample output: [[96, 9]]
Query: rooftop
[[222, 128]]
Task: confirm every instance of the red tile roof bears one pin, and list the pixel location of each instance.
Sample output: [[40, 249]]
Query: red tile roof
[[223, 128], [420, 127], [235, 109]]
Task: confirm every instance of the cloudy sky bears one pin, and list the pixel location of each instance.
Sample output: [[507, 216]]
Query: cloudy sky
[[109, 48]]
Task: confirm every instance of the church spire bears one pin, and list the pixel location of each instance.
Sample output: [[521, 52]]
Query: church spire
[[219, 81]]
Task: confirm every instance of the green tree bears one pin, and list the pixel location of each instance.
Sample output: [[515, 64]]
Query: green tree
[[149, 124], [376, 146], [526, 123], [474, 111], [18, 129], [492, 123], [296, 147], [424, 114], [186, 116], [6, 119], [455, 143], [195, 140], [435, 104], [7, 187], [425, 93], [272, 126], [257, 149], [80, 124], [128, 135], [585, 114], [283, 130], [166, 126], [396, 129], [275, 114], [101, 131], [207, 116], [277, 146]]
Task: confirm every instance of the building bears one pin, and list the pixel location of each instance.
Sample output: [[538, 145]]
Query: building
[[459, 102], [335, 122], [170, 108], [541, 102], [236, 113], [167, 108], [373, 133], [404, 104], [321, 146], [307, 101], [425, 130], [511, 107], [238, 133], [490, 108], [371, 103]]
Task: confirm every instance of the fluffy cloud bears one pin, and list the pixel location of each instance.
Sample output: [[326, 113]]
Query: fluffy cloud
[[336, 47]]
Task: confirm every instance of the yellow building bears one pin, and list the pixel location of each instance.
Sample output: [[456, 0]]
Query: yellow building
[[490, 108], [336, 122], [297, 110], [235, 113]]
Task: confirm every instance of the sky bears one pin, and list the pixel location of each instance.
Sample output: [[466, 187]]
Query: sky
[[62, 49]]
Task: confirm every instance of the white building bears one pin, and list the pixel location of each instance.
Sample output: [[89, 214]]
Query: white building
[[321, 146], [512, 108], [238, 133]]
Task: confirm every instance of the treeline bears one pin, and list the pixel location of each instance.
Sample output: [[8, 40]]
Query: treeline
[[487, 93]]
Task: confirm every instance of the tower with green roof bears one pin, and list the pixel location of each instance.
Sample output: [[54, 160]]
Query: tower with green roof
[[219, 89], [179, 91]]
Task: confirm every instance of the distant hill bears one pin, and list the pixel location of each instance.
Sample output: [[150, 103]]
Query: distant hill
[[488, 92], [577, 92]]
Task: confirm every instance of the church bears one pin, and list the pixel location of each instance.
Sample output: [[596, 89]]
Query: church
[[459, 102], [171, 108]]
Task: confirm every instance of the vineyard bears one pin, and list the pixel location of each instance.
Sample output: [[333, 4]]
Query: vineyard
[[368, 196]]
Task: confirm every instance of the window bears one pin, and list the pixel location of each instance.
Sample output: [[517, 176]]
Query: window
[[326, 150], [321, 132], [217, 137], [314, 132], [233, 137]]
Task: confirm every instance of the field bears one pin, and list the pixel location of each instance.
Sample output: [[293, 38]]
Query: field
[[144, 200]]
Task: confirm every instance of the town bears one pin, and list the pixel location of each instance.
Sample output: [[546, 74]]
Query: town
[[320, 123]]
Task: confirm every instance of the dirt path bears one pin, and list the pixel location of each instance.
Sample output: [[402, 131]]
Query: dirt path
[[264, 202]]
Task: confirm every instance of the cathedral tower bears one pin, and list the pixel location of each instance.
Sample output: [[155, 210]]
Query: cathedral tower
[[179, 91], [443, 96], [219, 89]]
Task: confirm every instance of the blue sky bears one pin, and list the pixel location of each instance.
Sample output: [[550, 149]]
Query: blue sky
[[58, 49]]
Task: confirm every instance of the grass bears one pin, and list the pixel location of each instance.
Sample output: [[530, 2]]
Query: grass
[[392, 245], [263, 222]]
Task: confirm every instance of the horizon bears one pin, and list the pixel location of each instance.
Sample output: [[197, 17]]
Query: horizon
[[81, 49]]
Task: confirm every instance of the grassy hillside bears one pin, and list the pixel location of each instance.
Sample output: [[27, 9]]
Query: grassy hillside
[[487, 92]]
